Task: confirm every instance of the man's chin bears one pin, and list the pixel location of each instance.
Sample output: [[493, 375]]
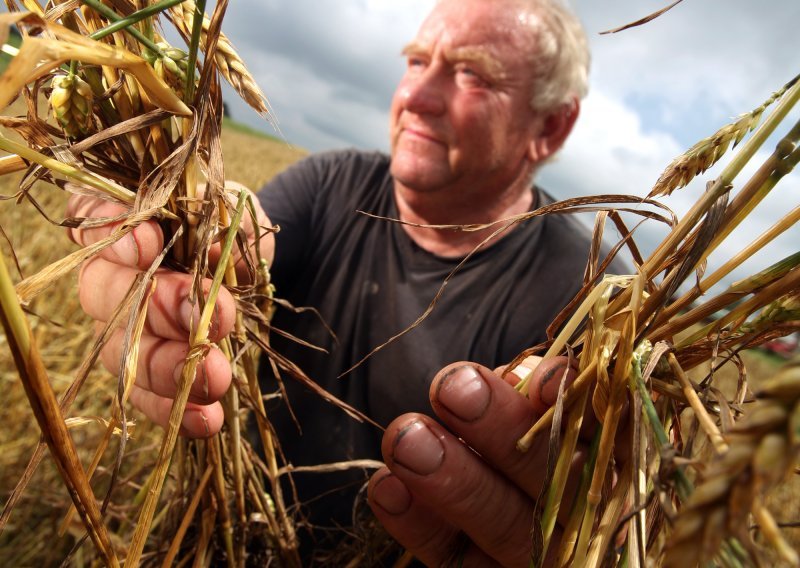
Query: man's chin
[[418, 173]]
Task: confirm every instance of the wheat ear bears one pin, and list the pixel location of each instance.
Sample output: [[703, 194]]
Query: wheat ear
[[764, 447]]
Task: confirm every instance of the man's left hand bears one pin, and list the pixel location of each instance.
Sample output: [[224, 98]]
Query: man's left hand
[[460, 492]]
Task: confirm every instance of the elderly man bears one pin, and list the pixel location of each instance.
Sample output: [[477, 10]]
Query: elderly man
[[491, 91]]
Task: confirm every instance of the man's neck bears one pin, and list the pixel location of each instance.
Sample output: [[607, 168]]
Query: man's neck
[[439, 209]]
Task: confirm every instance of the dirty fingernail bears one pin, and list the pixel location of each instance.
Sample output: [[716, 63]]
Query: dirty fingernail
[[464, 393], [391, 495], [418, 449], [551, 382]]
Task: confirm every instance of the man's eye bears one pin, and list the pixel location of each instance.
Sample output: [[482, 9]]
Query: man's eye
[[468, 77], [415, 62]]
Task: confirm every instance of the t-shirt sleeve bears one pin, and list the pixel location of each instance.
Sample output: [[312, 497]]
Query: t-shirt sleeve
[[310, 201], [291, 200]]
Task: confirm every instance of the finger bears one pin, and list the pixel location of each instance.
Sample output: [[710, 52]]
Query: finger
[[198, 421], [421, 531], [546, 380], [137, 249], [514, 375], [455, 482], [430, 538], [160, 365], [490, 416], [170, 313]]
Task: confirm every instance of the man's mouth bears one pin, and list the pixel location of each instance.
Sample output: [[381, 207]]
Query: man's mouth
[[416, 133]]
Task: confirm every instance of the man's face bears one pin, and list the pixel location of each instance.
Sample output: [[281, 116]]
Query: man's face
[[460, 117]]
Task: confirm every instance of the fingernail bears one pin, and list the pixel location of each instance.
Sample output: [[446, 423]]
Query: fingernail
[[550, 383], [520, 372], [127, 250], [464, 393], [418, 449], [176, 374], [391, 495], [189, 315], [199, 375]]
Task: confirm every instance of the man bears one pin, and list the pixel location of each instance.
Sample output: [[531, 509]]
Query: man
[[490, 93]]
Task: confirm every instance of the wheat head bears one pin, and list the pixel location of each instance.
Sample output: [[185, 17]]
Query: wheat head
[[763, 449], [226, 57], [71, 102]]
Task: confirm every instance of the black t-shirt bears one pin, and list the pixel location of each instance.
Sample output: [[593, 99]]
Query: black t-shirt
[[369, 281]]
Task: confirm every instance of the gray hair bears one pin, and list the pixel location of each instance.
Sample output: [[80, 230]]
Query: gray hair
[[561, 61]]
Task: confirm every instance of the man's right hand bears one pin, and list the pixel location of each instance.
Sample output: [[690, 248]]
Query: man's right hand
[[103, 282]]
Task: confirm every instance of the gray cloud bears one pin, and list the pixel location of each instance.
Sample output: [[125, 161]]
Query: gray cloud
[[347, 53]]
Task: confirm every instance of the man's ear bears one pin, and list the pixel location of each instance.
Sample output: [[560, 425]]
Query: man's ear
[[554, 131]]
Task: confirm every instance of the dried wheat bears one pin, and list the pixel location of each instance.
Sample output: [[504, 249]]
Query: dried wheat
[[763, 449], [227, 58]]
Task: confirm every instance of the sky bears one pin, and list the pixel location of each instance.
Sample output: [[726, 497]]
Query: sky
[[329, 68]]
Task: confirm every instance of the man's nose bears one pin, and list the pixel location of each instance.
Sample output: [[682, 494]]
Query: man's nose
[[424, 93]]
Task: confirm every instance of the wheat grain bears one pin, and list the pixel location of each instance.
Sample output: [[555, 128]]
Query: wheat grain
[[71, 101], [228, 61]]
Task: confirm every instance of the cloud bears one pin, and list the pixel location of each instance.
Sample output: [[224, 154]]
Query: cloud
[[700, 63], [329, 68]]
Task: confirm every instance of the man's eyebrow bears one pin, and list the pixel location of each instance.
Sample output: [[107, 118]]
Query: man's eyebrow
[[471, 54], [477, 56], [414, 48]]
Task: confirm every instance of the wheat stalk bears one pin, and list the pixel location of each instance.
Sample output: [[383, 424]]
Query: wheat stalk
[[48, 414]]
